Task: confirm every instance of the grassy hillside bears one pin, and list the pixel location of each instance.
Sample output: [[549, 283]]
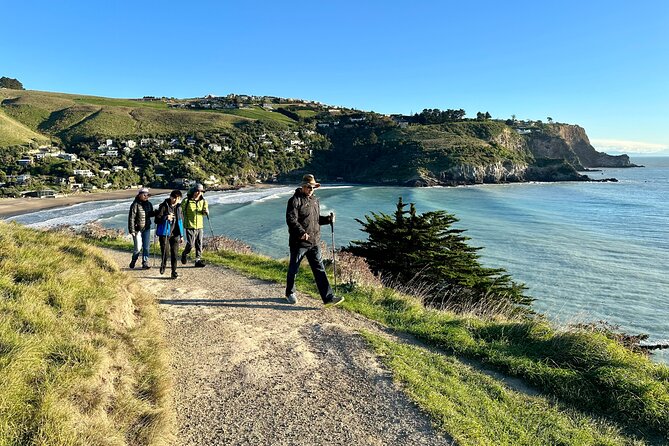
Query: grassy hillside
[[13, 132], [82, 360], [72, 117]]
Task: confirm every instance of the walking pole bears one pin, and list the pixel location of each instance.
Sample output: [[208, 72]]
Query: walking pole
[[153, 249], [210, 227], [334, 259]]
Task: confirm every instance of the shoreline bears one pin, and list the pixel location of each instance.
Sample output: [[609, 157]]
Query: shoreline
[[11, 207]]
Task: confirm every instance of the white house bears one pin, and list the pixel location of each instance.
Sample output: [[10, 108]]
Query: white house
[[131, 144], [110, 142], [118, 168], [169, 152], [111, 153], [83, 172], [215, 147]]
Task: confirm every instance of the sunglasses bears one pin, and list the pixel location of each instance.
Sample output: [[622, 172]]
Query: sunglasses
[[310, 187]]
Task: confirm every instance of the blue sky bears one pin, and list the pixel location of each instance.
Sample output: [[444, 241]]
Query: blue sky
[[601, 64]]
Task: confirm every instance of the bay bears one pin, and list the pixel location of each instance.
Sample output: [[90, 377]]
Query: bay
[[587, 251]]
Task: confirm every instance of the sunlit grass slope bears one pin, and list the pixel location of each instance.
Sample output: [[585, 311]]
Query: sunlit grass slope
[[71, 117], [82, 361]]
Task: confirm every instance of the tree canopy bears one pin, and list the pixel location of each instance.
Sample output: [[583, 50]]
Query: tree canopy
[[7, 82], [427, 252]]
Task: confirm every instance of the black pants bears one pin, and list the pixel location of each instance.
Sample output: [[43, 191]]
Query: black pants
[[313, 255], [174, 247]]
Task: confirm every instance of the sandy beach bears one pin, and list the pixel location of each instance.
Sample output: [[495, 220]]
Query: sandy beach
[[10, 207]]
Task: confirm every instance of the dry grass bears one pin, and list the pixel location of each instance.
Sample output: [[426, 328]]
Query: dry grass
[[82, 358]]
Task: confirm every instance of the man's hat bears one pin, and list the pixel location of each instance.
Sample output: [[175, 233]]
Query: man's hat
[[143, 190], [199, 187], [309, 180]]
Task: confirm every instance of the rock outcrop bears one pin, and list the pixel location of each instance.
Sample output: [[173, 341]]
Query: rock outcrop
[[570, 142]]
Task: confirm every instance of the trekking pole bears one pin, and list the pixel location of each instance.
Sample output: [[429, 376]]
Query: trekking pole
[[210, 227], [334, 259], [153, 249]]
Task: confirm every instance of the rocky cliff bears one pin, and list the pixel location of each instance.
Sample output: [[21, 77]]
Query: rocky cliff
[[570, 142]]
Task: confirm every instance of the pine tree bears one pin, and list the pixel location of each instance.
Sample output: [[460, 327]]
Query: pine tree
[[425, 249]]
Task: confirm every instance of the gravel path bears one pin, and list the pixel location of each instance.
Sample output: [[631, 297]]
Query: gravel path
[[249, 369]]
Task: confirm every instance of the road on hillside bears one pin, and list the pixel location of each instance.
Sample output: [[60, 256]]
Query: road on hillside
[[250, 369]]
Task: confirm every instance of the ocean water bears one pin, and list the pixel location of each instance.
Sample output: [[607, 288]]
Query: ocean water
[[587, 251]]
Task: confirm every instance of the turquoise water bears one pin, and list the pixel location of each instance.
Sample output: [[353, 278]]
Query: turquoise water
[[587, 251]]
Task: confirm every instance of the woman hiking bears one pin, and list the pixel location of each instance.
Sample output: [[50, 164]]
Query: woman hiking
[[169, 219]]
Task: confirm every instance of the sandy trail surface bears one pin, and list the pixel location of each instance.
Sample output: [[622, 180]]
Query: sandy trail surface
[[250, 369]]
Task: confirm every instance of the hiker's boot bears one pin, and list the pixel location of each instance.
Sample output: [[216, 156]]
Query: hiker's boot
[[146, 266], [336, 300], [291, 298], [199, 263], [174, 275], [162, 268], [184, 259], [132, 263]]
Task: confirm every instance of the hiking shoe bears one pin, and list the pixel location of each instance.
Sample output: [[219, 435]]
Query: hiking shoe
[[132, 264], [199, 263], [162, 269], [174, 275], [336, 300], [184, 259], [146, 266], [291, 298]]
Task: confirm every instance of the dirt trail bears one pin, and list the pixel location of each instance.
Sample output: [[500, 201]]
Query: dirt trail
[[252, 370]]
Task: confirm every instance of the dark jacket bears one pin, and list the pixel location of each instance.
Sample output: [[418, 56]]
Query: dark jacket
[[175, 228], [303, 216], [139, 218]]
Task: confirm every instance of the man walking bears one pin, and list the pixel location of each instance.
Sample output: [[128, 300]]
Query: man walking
[[194, 208], [139, 227], [304, 229]]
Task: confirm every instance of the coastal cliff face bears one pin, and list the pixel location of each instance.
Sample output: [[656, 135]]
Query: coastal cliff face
[[460, 153], [570, 142]]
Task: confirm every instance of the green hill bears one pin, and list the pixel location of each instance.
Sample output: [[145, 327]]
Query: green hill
[[73, 117], [241, 139]]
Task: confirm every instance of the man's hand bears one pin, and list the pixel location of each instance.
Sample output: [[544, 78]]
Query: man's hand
[[205, 212], [181, 239], [305, 236], [332, 217]]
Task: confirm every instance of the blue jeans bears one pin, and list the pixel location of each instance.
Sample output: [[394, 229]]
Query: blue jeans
[[313, 255], [142, 241]]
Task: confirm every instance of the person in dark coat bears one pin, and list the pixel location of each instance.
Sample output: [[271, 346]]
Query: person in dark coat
[[170, 229], [304, 229], [139, 227]]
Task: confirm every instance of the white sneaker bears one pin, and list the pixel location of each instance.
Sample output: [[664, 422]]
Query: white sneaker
[[291, 298]]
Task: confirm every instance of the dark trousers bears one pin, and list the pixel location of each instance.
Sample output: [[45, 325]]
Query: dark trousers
[[313, 255], [174, 247]]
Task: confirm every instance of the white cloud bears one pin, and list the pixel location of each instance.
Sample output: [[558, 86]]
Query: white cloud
[[623, 146]]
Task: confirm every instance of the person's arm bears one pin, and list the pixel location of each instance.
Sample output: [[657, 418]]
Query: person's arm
[[131, 218], [205, 207], [161, 214], [184, 208], [292, 219]]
